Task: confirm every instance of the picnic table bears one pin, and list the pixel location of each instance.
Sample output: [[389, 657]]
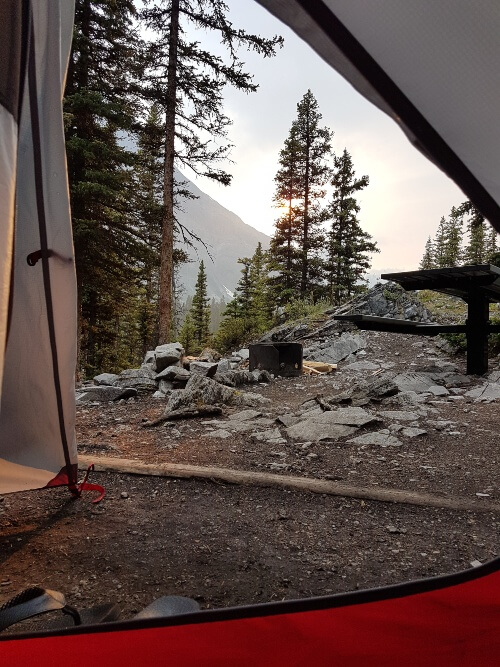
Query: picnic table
[[478, 285]]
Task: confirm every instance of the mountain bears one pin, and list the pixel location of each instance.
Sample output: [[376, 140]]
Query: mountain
[[227, 238]]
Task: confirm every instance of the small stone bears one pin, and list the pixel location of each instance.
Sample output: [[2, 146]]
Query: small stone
[[475, 563], [123, 494], [483, 495]]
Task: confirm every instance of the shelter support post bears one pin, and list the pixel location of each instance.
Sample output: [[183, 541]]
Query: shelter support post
[[478, 314]]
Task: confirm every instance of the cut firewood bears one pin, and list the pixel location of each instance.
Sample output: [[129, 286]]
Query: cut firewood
[[317, 367]]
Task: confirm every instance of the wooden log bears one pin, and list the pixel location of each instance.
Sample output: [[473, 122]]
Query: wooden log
[[230, 476]]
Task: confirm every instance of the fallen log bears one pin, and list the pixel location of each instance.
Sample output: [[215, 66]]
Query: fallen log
[[230, 476]]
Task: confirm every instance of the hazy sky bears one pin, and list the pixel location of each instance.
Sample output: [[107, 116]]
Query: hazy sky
[[407, 194]]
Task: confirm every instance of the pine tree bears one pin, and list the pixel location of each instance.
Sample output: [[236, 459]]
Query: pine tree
[[427, 261], [300, 187], [187, 336], [200, 310], [284, 252], [440, 244], [475, 252], [261, 306], [188, 82], [452, 251], [99, 104], [492, 248], [348, 245]]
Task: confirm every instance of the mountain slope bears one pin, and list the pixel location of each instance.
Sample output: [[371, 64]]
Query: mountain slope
[[227, 238]]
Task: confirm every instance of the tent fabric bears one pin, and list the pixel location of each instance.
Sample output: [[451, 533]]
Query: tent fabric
[[37, 410], [448, 621], [432, 66]]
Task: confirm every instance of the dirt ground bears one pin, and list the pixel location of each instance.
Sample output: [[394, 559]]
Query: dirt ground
[[227, 545]]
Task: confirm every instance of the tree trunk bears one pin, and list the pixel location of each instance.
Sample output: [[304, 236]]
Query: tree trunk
[[167, 238]]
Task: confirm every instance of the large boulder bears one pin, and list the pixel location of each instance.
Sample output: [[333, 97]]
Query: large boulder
[[106, 379], [141, 379], [168, 355], [205, 391], [335, 349]]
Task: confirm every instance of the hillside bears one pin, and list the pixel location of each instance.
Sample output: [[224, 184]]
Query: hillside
[[227, 238]]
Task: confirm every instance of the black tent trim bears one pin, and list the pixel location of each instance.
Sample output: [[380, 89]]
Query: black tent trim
[[45, 252], [426, 136], [278, 608]]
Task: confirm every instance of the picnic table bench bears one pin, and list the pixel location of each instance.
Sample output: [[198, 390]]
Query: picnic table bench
[[478, 285]]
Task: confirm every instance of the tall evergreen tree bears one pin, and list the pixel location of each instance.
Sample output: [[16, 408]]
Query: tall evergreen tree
[[188, 82], [475, 252], [492, 247], [452, 251], [261, 306], [427, 261], [148, 210], [440, 244], [99, 105], [301, 182], [200, 310], [284, 252], [349, 246]]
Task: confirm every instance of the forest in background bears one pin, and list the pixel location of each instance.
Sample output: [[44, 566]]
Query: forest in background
[[143, 96]]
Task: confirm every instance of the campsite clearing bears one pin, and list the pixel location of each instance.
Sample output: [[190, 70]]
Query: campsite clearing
[[228, 544]]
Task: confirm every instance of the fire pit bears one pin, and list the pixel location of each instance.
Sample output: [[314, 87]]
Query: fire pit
[[279, 358]]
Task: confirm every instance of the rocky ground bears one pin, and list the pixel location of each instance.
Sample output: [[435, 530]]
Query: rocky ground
[[398, 413]]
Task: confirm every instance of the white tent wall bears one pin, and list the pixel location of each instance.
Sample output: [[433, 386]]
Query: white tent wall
[[37, 409], [432, 66]]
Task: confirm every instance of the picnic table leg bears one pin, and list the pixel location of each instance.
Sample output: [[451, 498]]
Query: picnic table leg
[[478, 313]]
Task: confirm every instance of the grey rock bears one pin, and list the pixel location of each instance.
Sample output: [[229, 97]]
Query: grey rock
[[143, 385], [104, 394], [261, 375], [203, 390], [220, 433], [417, 382], [270, 435], [348, 416], [237, 377], [437, 390], [376, 438], [106, 379], [244, 415], [209, 355], [288, 419], [313, 430], [176, 373], [492, 377], [159, 394], [337, 349], [409, 398], [136, 373], [223, 366], [399, 415], [167, 355], [485, 393], [165, 386], [244, 353], [413, 432], [206, 368], [441, 424], [149, 358]]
